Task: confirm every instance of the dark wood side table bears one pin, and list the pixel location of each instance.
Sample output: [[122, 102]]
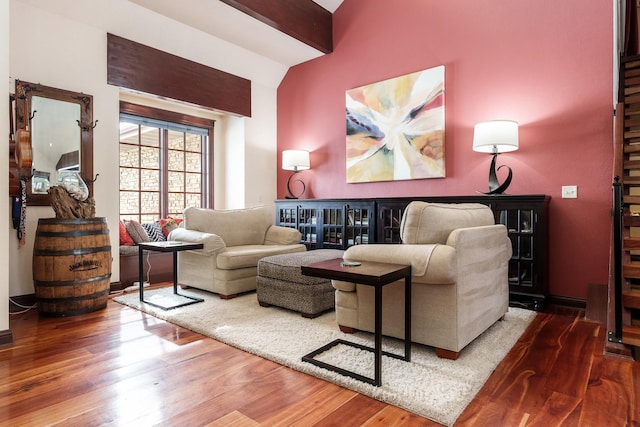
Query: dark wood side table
[[173, 247], [372, 274]]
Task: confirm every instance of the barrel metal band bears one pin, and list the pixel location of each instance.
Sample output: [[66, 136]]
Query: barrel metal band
[[76, 233], [84, 251], [70, 282], [68, 299]]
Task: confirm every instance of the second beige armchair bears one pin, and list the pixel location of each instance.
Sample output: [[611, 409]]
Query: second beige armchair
[[234, 241], [459, 260]]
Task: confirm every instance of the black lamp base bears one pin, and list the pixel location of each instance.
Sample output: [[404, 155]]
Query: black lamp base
[[494, 185], [290, 194]]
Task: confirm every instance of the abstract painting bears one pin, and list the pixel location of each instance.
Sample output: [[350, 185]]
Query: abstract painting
[[395, 128]]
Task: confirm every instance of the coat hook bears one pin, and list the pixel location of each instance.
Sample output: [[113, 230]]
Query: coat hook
[[87, 128], [91, 180]]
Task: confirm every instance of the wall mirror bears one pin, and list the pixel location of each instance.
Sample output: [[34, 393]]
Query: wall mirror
[[61, 129]]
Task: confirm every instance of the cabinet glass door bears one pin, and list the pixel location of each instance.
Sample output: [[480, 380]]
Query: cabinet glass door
[[390, 217], [357, 227], [308, 218], [332, 226], [520, 225]]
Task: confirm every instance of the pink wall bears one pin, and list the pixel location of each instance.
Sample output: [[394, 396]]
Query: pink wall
[[546, 64]]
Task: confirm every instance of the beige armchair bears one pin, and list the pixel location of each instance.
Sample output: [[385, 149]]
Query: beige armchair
[[234, 241], [459, 260]]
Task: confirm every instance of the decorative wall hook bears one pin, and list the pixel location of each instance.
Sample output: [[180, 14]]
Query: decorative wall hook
[[89, 127], [87, 180]]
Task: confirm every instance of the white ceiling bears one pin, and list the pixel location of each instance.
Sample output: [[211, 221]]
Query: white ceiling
[[240, 44], [332, 5], [227, 23]]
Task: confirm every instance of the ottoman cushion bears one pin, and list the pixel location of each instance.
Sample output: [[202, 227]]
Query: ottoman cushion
[[287, 266], [280, 282]]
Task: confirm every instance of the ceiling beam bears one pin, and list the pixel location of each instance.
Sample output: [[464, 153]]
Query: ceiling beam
[[303, 20], [142, 68]]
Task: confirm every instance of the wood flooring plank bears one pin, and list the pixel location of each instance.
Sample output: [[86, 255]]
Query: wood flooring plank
[[255, 393], [612, 392], [491, 414], [246, 385], [119, 366], [510, 369], [136, 399], [279, 398], [391, 416], [358, 411], [525, 388], [313, 408], [555, 411], [105, 368], [234, 419], [567, 375]]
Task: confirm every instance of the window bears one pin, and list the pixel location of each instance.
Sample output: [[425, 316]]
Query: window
[[165, 163]]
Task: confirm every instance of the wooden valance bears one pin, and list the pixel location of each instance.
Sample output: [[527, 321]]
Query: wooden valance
[[138, 67]]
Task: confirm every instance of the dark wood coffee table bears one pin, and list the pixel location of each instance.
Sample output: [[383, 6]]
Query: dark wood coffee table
[[169, 246], [372, 274]]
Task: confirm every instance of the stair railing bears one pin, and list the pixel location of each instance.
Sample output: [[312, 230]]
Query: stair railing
[[618, 208]]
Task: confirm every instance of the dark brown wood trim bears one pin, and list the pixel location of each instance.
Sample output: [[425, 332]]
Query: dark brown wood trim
[[6, 338], [85, 103], [24, 300], [568, 301], [169, 116], [116, 286], [138, 67], [303, 20]]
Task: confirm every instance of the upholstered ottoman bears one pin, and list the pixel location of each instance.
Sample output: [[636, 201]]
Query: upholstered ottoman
[[280, 282]]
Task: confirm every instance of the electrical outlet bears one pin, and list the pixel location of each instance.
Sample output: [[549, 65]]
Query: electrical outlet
[[569, 191]]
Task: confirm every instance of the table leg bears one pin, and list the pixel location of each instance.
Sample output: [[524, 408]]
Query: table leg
[[407, 318], [378, 337], [175, 273], [141, 273]]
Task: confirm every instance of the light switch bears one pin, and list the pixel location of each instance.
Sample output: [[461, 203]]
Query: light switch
[[569, 191]]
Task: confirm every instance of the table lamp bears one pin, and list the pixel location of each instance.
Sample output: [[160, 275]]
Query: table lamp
[[295, 161], [495, 137]]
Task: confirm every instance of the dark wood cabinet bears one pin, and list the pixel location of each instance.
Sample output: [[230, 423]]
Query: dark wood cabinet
[[527, 223], [340, 223], [329, 224]]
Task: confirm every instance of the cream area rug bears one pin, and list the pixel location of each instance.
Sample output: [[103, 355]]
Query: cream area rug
[[434, 388]]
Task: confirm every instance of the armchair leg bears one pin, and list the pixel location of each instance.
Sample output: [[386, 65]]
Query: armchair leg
[[346, 329], [232, 296], [447, 354]]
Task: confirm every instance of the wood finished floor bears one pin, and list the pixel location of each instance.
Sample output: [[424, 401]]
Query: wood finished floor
[[119, 366]]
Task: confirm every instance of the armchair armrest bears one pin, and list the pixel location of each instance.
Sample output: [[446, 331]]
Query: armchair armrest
[[435, 264], [212, 242], [493, 239], [278, 235]]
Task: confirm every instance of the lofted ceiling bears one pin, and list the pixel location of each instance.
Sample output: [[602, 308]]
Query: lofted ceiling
[[264, 32], [257, 40]]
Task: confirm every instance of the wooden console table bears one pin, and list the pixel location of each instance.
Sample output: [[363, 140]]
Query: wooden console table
[[340, 223]]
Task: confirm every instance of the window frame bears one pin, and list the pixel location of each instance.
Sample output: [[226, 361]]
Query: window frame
[[183, 119]]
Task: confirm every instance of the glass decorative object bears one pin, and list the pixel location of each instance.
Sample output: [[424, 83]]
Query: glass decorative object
[[40, 182], [71, 181]]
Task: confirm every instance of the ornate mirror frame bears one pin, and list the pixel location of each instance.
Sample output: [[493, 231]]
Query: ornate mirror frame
[[24, 93]]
